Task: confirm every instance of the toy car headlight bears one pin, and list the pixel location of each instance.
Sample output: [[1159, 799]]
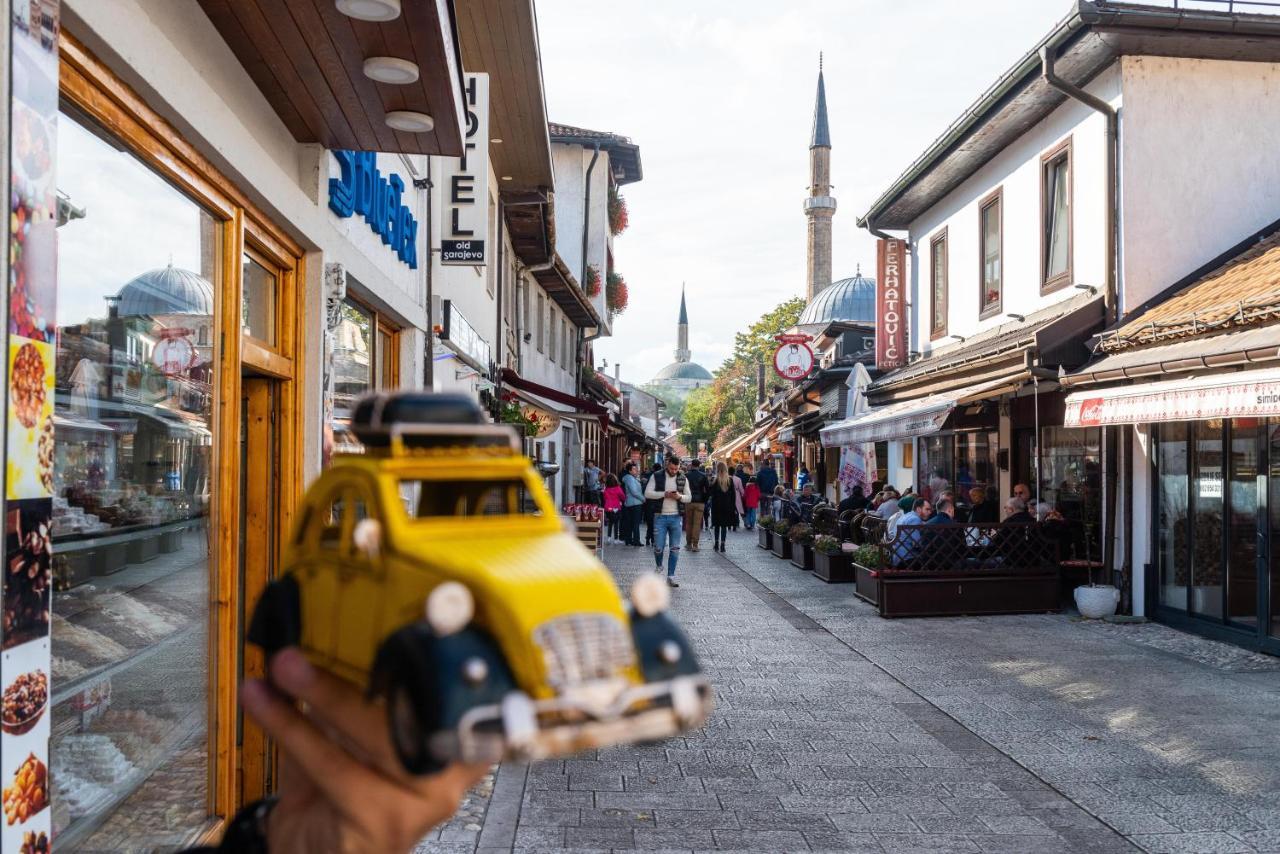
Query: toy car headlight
[[449, 608], [649, 595]]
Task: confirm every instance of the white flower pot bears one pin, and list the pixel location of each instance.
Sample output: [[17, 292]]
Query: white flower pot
[[1097, 601]]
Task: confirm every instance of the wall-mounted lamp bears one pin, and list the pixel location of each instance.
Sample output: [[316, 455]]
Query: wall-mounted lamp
[[1021, 318], [958, 338], [1090, 288]]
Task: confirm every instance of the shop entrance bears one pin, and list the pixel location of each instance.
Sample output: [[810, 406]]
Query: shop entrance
[[1216, 527], [258, 561]]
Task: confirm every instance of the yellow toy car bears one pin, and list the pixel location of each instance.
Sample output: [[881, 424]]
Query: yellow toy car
[[490, 632]]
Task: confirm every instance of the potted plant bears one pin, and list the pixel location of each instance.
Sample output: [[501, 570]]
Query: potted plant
[[765, 527], [831, 562], [615, 292], [591, 284], [781, 544], [801, 536], [868, 561], [1097, 601], [618, 214]]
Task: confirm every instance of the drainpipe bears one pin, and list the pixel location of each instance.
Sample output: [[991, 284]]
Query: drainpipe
[[1113, 122], [1111, 435], [428, 368], [497, 290], [586, 207]]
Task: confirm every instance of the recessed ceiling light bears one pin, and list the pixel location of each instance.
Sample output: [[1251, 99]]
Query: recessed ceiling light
[[407, 120], [391, 69], [370, 10], [497, 140], [506, 177]]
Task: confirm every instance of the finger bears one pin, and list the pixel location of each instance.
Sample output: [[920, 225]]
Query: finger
[[336, 704], [441, 793], [328, 767]]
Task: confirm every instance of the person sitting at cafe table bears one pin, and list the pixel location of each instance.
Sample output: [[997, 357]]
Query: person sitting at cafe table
[[908, 537], [982, 510], [853, 502], [1010, 540], [806, 501], [943, 541]]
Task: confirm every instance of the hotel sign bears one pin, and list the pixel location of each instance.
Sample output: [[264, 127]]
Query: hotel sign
[[466, 184], [891, 326]]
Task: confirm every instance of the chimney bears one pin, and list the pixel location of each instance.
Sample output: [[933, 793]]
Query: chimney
[[626, 405], [617, 372]]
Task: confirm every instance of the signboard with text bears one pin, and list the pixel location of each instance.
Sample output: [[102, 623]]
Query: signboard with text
[[891, 321], [464, 231]]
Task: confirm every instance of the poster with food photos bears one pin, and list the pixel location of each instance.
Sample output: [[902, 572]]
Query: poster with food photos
[[30, 311]]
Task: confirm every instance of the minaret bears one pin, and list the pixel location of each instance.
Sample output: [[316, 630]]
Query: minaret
[[682, 331], [821, 205]]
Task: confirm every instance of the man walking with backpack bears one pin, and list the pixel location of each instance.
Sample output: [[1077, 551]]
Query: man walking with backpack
[[668, 491], [695, 508]]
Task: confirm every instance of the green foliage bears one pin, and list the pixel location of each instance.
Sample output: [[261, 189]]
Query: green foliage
[[801, 534], [826, 544], [870, 556]]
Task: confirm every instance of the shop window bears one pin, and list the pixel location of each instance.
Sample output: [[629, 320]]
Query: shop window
[[258, 301], [935, 472], [1055, 218], [1070, 481], [1207, 509], [366, 355], [1172, 514], [130, 438], [938, 285], [1273, 509], [990, 253]]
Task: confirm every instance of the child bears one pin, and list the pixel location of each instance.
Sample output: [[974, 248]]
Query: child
[[612, 508], [750, 501]]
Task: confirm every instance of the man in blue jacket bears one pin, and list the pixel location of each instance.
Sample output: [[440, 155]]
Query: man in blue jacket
[[767, 478]]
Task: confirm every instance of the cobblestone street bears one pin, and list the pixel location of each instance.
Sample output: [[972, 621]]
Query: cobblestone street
[[836, 730]]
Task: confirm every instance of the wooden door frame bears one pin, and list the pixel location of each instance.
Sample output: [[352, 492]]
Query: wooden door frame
[[104, 98]]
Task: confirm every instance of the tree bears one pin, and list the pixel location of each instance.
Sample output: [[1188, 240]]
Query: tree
[[727, 407]]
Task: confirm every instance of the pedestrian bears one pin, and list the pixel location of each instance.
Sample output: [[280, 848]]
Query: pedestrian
[[738, 489], [669, 490], [803, 479], [767, 479], [724, 504], [751, 501], [591, 489], [632, 505], [613, 497], [693, 513], [650, 507]]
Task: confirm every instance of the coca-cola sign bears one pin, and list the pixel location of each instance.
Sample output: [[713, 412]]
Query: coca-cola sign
[[891, 325]]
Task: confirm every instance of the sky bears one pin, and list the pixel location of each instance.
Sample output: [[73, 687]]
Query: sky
[[719, 95]]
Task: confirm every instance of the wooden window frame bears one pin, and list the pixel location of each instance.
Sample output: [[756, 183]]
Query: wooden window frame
[[995, 197], [937, 331], [542, 322], [1047, 160], [391, 375], [89, 87]]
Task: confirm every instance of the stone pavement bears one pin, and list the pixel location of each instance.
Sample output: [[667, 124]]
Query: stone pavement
[[839, 731]]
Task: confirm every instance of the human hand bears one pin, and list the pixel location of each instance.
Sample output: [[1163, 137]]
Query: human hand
[[342, 787], [671, 493]]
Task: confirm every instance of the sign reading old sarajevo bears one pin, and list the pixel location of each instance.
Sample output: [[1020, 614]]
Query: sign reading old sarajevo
[[891, 327], [466, 186], [364, 190]]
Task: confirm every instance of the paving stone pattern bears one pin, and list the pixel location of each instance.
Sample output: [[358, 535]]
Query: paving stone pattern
[[836, 730]]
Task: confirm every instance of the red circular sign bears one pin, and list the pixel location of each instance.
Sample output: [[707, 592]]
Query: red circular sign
[[793, 360]]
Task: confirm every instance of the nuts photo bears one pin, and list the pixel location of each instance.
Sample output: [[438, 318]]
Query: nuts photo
[[28, 571], [24, 701], [44, 451], [26, 386], [29, 793], [34, 843]]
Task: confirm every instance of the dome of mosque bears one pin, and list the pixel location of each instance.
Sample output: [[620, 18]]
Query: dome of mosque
[[166, 290], [682, 371], [849, 300]]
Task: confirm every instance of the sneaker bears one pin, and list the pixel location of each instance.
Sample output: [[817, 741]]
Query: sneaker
[[658, 568], [671, 582]]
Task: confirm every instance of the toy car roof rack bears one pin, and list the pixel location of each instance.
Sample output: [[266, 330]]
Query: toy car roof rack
[[425, 420]]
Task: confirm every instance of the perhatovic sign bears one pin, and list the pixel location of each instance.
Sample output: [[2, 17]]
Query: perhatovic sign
[[466, 187], [891, 327], [364, 190]]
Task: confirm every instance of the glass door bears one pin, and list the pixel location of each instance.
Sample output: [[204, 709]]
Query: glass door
[[1271, 592], [1242, 524]]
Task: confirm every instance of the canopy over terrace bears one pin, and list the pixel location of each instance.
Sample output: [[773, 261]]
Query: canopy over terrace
[[922, 417], [743, 442]]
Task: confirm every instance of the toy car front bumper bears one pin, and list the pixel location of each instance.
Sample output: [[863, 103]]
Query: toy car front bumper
[[522, 728]]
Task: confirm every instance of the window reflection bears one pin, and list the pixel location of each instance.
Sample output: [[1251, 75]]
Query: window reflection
[[131, 493]]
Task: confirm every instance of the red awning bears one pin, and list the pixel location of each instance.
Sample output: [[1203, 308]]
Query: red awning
[[511, 378], [1243, 394]]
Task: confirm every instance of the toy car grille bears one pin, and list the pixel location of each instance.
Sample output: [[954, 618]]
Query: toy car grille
[[581, 647]]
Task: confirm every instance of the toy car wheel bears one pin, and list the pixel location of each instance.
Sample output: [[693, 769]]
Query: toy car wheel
[[411, 739], [277, 618]]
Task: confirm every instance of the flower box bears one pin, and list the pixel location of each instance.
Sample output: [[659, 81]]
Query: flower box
[[833, 569], [766, 537], [781, 547], [802, 556], [866, 583]]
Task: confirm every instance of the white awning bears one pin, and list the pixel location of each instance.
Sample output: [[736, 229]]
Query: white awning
[[1243, 394], [922, 417]]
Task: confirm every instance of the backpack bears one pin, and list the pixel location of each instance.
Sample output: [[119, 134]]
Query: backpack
[[660, 480]]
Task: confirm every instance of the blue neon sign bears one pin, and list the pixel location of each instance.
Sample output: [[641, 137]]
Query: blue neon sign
[[364, 190]]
